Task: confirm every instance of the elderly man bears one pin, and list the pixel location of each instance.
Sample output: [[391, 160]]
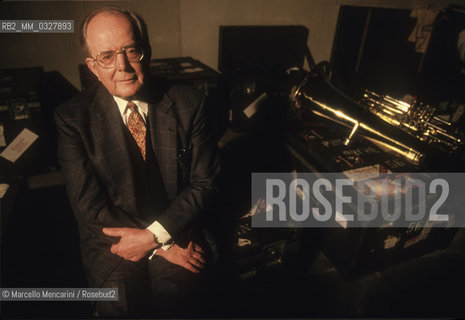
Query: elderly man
[[139, 166]]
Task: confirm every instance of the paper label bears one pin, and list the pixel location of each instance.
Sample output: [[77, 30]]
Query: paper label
[[365, 173], [253, 107], [20, 144]]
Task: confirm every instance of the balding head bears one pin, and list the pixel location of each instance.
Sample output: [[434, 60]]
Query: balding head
[[138, 26]]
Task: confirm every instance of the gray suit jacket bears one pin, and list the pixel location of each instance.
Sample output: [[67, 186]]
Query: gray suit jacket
[[97, 169]]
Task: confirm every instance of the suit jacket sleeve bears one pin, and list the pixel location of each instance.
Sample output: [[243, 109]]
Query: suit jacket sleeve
[[87, 196], [202, 163]]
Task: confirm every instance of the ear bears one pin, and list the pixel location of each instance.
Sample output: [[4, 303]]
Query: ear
[[92, 65], [147, 56]]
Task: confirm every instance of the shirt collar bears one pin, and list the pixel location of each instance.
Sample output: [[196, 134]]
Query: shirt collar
[[142, 106]]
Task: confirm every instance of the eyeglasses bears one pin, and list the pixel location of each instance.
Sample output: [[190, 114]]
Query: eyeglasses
[[107, 59]]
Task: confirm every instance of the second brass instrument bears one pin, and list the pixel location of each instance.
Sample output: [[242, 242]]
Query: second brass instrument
[[417, 119], [316, 94]]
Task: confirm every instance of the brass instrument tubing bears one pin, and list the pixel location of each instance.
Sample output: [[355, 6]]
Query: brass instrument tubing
[[408, 153], [393, 109]]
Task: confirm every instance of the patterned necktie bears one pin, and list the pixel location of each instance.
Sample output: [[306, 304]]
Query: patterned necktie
[[137, 127]]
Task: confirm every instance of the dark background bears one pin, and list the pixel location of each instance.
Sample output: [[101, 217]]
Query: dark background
[[286, 272]]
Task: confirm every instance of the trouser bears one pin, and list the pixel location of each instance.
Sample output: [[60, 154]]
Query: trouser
[[152, 288]]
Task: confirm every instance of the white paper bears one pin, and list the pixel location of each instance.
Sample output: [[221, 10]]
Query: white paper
[[20, 144], [253, 107], [3, 189]]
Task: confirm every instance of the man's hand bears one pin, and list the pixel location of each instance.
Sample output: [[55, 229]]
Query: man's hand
[[134, 243], [190, 258]]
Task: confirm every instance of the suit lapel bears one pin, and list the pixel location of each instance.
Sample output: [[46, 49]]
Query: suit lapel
[[163, 124], [113, 147]]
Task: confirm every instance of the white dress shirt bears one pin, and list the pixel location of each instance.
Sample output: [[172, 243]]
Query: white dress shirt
[[163, 237]]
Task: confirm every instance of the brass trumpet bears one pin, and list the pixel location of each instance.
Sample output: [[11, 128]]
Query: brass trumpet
[[316, 94], [417, 119]]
